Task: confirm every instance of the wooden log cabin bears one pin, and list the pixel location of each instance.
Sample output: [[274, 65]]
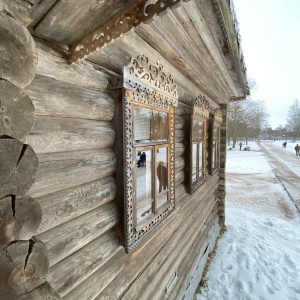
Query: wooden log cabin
[[113, 145]]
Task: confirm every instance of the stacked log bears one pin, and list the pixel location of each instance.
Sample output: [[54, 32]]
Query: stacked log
[[24, 262]]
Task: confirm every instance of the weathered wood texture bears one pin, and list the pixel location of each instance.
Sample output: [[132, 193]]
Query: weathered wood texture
[[43, 292], [163, 267], [68, 237], [68, 273], [65, 205], [51, 134], [18, 9], [20, 217], [122, 270], [50, 64], [18, 60], [67, 100], [125, 48], [63, 170], [7, 222], [98, 13], [16, 111], [24, 266], [18, 164]]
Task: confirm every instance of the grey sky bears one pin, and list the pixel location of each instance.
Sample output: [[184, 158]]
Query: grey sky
[[270, 31]]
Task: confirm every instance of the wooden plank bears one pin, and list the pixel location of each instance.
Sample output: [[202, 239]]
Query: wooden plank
[[179, 177], [51, 134], [54, 64], [68, 273], [43, 292], [196, 258], [144, 257], [79, 18], [69, 237], [39, 9], [179, 122], [62, 170], [66, 100], [179, 149], [65, 205], [152, 283], [179, 163], [113, 279], [179, 135]]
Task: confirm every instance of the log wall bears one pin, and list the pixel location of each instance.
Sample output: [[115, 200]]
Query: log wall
[[72, 137]]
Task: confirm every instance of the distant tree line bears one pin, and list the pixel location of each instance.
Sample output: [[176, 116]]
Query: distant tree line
[[246, 119], [291, 130]]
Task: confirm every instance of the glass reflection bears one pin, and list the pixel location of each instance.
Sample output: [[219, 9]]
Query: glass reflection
[[197, 130], [200, 160], [144, 177], [150, 125], [162, 176], [194, 159], [213, 154]]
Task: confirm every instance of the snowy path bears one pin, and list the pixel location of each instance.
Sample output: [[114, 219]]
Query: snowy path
[[286, 166], [258, 257]]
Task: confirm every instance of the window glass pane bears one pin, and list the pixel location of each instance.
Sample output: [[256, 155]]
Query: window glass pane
[[213, 154], [144, 178], [216, 132], [194, 159], [197, 130], [200, 159], [162, 176], [150, 125], [141, 121], [159, 126]]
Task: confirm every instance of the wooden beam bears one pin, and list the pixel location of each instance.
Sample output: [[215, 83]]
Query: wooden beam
[[120, 24]]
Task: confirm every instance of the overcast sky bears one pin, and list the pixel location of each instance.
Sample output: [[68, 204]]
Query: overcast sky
[[270, 31]]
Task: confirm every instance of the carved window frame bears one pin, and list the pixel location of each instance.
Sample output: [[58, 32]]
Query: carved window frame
[[200, 112], [147, 85], [215, 141]]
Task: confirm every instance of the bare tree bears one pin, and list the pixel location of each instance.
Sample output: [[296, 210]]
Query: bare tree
[[293, 120]]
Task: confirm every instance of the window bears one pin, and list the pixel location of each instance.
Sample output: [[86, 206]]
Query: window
[[144, 121], [199, 118], [214, 141]]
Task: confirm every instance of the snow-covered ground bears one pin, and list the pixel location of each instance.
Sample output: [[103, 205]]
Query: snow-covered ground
[[258, 256]]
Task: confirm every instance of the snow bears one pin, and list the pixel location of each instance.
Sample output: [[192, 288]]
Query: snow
[[258, 256]]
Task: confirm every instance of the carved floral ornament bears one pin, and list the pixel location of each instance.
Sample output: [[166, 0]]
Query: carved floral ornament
[[140, 11], [218, 115], [147, 83], [201, 107]]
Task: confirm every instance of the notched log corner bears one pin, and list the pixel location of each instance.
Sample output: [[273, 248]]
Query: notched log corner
[[20, 218], [24, 267], [18, 60], [19, 165], [17, 112]]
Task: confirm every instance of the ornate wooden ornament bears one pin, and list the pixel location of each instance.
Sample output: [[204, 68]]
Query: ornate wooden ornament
[[200, 113], [140, 11], [17, 113], [201, 107], [147, 84], [218, 115], [18, 59]]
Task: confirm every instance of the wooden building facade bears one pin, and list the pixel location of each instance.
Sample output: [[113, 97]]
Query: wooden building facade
[[113, 145]]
